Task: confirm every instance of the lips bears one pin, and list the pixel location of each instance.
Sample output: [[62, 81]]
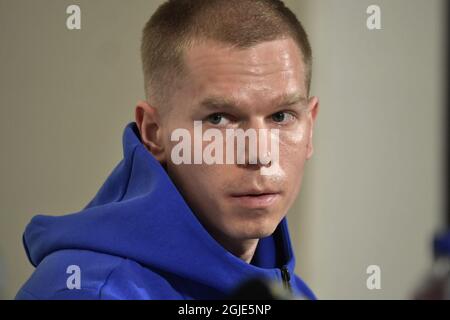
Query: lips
[[255, 199]]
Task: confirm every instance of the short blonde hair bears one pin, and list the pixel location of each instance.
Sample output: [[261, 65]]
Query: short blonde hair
[[239, 23]]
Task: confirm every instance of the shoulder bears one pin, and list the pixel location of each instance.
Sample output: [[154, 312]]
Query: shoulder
[[88, 275], [70, 274]]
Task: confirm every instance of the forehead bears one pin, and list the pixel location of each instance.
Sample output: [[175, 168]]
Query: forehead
[[264, 71]]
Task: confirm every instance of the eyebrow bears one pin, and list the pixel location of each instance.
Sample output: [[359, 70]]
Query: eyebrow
[[294, 98], [220, 103]]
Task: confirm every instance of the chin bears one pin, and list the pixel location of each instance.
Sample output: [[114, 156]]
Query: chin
[[255, 230]]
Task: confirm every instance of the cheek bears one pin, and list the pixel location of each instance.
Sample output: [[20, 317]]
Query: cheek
[[197, 180], [293, 152], [293, 146]]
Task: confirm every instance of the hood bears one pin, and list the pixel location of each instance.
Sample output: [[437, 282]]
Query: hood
[[139, 214]]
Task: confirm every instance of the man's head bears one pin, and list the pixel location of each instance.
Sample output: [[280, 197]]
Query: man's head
[[231, 64], [180, 24]]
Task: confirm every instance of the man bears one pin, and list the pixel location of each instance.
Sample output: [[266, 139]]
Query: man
[[160, 228]]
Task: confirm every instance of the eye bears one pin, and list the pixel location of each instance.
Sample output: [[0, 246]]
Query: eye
[[282, 117], [218, 119]]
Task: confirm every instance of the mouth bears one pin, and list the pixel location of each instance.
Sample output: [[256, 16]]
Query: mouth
[[256, 199]]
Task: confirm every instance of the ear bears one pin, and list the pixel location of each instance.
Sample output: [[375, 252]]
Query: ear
[[313, 111], [149, 125]]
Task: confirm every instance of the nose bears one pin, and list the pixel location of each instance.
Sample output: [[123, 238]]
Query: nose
[[256, 152]]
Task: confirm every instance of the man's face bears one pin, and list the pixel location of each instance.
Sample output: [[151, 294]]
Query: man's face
[[262, 87]]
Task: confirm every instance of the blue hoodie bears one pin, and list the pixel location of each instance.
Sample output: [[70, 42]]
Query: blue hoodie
[[138, 239]]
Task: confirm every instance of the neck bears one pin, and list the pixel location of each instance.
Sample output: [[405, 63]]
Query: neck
[[246, 250], [243, 249]]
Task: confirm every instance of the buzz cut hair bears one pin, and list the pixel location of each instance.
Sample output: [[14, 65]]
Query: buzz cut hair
[[179, 24]]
